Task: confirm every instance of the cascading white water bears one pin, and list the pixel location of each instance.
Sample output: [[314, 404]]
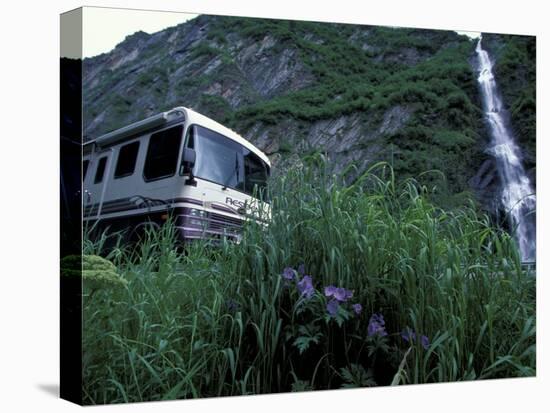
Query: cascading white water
[[517, 197]]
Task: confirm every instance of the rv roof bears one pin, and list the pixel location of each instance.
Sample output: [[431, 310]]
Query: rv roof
[[168, 116]]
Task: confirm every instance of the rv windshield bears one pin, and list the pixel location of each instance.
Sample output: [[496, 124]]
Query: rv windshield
[[225, 162]]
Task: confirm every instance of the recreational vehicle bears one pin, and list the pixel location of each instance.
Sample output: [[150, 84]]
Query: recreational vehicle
[[177, 164]]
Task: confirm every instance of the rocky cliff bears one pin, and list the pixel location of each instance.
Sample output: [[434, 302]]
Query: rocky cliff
[[359, 94], [515, 71]]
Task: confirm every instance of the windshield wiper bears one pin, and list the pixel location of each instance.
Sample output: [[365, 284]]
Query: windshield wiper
[[235, 172]]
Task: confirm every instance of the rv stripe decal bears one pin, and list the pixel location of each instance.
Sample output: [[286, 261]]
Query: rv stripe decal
[[124, 204]]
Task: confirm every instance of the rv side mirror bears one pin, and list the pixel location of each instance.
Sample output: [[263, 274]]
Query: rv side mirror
[[189, 157]]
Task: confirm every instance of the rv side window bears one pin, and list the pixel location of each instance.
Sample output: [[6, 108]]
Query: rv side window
[[255, 171], [85, 169], [189, 143], [162, 154], [126, 161], [191, 138], [100, 170]]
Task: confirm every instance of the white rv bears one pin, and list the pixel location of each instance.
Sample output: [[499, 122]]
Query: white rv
[[178, 163]]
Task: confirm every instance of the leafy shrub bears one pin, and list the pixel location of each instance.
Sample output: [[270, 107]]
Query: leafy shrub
[[96, 272]]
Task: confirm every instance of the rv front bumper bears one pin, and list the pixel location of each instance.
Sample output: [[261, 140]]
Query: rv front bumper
[[193, 224]]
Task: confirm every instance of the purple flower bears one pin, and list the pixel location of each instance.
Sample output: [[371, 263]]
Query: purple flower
[[232, 305], [425, 342], [377, 326], [332, 307], [341, 294], [305, 286], [357, 308], [288, 274], [330, 290], [302, 269], [408, 335]]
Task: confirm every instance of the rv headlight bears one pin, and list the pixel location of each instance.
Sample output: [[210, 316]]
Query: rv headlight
[[197, 212], [197, 218]]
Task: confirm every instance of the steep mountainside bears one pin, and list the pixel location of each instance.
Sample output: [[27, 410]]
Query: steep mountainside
[[515, 70], [360, 94]]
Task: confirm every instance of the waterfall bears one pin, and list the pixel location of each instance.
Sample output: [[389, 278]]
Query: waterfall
[[517, 196]]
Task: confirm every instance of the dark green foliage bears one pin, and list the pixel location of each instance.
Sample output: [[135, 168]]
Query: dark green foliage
[[223, 321], [356, 376], [515, 71], [214, 106], [441, 92], [285, 146]]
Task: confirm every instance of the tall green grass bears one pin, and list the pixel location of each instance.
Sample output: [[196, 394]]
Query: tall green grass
[[213, 321]]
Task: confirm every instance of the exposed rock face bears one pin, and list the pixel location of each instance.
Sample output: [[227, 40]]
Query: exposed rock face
[[272, 72], [187, 66], [394, 119], [182, 65], [233, 70], [514, 67], [486, 184]]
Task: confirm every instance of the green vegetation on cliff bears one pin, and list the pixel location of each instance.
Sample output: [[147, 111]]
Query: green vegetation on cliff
[[412, 92], [425, 71], [515, 71]]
